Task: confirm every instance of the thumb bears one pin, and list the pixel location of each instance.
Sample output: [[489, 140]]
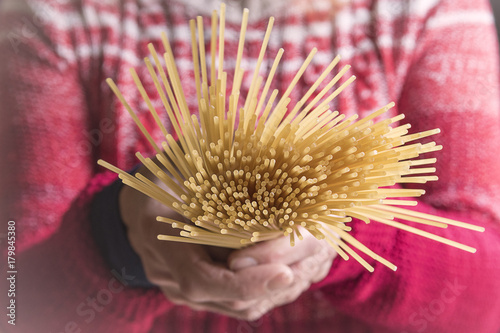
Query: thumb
[[275, 251], [263, 280], [216, 283]]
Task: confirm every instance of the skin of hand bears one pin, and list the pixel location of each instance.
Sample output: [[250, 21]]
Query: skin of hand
[[243, 284]]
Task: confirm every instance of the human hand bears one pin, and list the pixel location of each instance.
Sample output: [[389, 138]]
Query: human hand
[[195, 275], [310, 261], [203, 278]]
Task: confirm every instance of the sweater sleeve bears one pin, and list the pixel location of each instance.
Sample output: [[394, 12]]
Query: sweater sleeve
[[47, 184], [452, 84]]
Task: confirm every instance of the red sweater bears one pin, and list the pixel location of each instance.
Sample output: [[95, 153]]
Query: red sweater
[[437, 59]]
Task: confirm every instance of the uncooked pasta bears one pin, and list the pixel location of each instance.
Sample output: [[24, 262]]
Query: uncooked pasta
[[252, 170]]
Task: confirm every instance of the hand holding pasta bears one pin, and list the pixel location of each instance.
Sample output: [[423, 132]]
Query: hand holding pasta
[[205, 278], [251, 171]]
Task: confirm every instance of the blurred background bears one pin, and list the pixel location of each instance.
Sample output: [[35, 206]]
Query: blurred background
[[494, 3]]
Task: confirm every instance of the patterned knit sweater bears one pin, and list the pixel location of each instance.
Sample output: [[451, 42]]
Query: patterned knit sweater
[[438, 60]]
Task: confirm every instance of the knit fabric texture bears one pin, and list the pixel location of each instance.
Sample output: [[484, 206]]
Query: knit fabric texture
[[437, 59]]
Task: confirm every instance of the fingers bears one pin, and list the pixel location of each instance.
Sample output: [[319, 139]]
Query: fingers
[[267, 275], [247, 293], [241, 312], [275, 251], [166, 261], [197, 276], [201, 279], [246, 310], [314, 268], [208, 281]]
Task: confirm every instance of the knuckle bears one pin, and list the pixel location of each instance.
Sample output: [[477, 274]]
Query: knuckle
[[304, 270], [320, 258]]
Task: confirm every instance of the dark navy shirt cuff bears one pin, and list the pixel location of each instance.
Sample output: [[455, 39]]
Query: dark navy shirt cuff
[[110, 234]]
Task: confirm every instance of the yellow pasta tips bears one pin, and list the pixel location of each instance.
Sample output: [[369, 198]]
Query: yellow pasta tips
[[247, 171]]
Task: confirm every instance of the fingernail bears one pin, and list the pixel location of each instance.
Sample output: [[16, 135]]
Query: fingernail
[[280, 281], [240, 263]]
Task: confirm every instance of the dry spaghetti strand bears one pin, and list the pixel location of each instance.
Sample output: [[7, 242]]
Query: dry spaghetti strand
[[242, 172]]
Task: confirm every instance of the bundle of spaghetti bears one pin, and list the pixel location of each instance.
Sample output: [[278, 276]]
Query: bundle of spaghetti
[[241, 175]]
